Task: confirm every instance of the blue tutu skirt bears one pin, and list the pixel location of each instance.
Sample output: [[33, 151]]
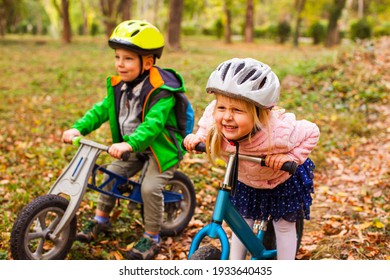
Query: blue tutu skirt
[[290, 200]]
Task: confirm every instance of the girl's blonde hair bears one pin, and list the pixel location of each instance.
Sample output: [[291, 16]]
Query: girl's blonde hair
[[215, 137]]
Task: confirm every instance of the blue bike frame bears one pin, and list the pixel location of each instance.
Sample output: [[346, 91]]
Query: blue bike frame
[[225, 211], [134, 195]]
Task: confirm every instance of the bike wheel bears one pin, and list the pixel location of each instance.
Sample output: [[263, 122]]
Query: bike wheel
[[30, 235], [208, 252], [270, 240], [177, 215]]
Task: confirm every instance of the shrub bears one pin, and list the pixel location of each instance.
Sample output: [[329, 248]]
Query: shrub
[[283, 31], [317, 31], [360, 29]]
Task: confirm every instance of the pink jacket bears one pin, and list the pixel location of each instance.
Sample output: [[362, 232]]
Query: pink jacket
[[288, 136]]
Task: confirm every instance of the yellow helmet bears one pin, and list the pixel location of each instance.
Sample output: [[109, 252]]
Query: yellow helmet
[[138, 36]]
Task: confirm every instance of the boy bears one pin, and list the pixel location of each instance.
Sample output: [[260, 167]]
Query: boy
[[139, 107]]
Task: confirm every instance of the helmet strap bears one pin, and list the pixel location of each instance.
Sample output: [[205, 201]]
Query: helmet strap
[[141, 61], [132, 84]]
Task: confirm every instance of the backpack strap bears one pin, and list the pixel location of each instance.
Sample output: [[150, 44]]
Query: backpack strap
[[171, 129]]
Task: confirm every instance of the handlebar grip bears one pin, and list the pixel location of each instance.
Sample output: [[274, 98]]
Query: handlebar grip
[[76, 141], [126, 156], [200, 147], [289, 166]]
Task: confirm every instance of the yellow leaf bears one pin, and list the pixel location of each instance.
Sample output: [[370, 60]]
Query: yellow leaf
[[379, 224], [220, 162], [30, 156], [130, 246], [364, 225], [42, 161], [117, 255], [357, 209], [342, 194]]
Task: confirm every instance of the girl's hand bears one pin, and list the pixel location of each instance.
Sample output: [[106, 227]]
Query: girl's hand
[[117, 149], [191, 141], [276, 161], [69, 134]]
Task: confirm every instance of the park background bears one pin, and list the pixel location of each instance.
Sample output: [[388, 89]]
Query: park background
[[332, 58]]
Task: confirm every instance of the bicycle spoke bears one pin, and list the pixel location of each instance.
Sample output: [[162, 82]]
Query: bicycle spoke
[[41, 221], [34, 235], [38, 252], [54, 223]]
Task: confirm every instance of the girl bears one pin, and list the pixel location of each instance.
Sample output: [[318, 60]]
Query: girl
[[246, 91]]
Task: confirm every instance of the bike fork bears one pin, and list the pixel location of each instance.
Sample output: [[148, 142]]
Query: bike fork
[[73, 182]]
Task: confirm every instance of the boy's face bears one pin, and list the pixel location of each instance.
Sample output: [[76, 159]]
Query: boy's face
[[128, 64]]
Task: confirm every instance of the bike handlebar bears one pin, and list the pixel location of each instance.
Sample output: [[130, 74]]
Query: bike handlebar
[[77, 140], [289, 166]]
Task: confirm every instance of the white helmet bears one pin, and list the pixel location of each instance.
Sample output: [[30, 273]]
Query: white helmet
[[246, 79]]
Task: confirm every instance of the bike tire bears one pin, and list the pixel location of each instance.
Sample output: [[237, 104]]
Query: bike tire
[[177, 215], [270, 239], [208, 252], [30, 238]]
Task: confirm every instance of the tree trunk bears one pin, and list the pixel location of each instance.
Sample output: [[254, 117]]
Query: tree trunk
[[249, 23], [84, 30], [332, 35], [361, 9], [125, 9], [109, 10], [299, 7], [3, 21], [228, 23], [174, 23], [67, 31]]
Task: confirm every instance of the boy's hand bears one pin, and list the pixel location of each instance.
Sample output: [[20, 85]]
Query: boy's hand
[[191, 141], [69, 134], [116, 150], [276, 161]]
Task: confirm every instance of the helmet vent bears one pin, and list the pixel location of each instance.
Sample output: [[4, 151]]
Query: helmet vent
[[225, 71], [239, 67], [262, 83], [134, 33], [248, 76]]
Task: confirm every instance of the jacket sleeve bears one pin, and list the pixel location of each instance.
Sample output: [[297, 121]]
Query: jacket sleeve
[[152, 126], [304, 138], [206, 121], [93, 118]]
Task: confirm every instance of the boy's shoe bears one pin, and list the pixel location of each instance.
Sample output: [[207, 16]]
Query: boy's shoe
[[145, 249], [91, 231]]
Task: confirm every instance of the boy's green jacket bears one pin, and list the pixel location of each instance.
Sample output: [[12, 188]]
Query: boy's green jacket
[[158, 112]]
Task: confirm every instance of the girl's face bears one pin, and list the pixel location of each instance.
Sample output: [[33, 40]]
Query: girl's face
[[232, 117], [128, 64]]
